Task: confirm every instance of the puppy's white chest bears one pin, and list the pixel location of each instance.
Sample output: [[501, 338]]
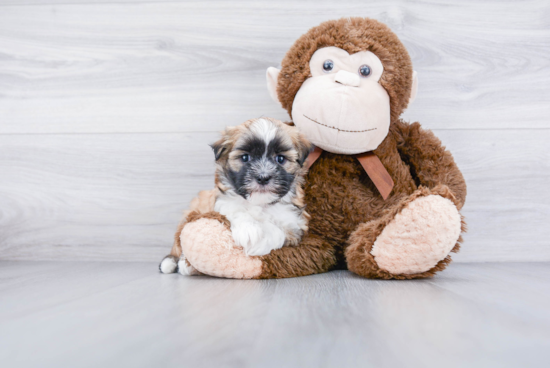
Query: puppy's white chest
[[257, 229]]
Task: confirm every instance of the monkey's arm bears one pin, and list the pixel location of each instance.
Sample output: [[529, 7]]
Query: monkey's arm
[[208, 245], [431, 164], [313, 255]]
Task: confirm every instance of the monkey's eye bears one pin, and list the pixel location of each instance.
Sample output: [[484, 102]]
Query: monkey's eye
[[245, 157], [364, 70], [328, 65], [281, 159]]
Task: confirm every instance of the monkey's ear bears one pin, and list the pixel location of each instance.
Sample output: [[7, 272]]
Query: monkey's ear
[[414, 87], [272, 74]]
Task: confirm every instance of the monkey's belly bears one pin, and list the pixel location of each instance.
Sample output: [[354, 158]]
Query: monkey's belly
[[339, 196]]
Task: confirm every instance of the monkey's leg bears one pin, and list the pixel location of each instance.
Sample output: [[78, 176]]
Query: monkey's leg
[[411, 240], [209, 247]]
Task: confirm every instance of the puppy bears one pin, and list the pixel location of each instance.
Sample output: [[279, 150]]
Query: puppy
[[259, 178]]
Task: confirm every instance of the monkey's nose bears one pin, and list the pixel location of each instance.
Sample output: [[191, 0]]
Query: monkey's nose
[[263, 180], [347, 78]]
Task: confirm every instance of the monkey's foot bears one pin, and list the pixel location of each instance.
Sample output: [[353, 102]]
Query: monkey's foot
[[423, 234], [210, 248], [413, 240]]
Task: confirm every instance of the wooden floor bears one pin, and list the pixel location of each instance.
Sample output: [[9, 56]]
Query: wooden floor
[[98, 314]]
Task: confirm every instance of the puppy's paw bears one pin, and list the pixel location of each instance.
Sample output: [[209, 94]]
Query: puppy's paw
[[246, 234], [185, 268], [169, 264], [273, 238]]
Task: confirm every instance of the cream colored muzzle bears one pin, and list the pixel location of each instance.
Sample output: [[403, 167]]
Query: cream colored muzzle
[[348, 79]]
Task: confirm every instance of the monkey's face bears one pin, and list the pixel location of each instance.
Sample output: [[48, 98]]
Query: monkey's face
[[342, 108]]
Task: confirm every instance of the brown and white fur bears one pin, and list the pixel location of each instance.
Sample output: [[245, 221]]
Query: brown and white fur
[[259, 177], [410, 234]]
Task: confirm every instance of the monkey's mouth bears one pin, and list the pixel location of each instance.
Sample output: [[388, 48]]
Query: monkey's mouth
[[338, 129]]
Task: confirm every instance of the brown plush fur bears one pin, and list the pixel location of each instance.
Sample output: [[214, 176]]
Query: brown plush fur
[[347, 212]]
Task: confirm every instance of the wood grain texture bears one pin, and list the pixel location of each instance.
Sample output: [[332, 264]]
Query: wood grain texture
[[65, 314], [145, 66], [119, 196], [106, 109]]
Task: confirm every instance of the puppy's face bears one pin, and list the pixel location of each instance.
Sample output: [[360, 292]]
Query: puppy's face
[[260, 160]]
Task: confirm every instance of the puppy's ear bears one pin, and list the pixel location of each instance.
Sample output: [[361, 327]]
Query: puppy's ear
[[304, 149], [223, 145], [218, 148]]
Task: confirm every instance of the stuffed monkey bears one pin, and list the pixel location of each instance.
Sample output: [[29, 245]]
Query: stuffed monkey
[[384, 195]]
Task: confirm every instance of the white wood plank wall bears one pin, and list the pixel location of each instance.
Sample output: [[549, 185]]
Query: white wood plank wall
[[106, 109]]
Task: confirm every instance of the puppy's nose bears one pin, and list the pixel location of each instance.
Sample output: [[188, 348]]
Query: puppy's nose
[[347, 78], [263, 180]]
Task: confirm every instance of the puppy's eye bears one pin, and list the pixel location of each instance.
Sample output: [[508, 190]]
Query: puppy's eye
[[281, 159], [245, 157], [328, 65], [364, 70]]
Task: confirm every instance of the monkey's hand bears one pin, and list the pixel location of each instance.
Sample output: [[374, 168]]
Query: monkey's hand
[[208, 245]]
